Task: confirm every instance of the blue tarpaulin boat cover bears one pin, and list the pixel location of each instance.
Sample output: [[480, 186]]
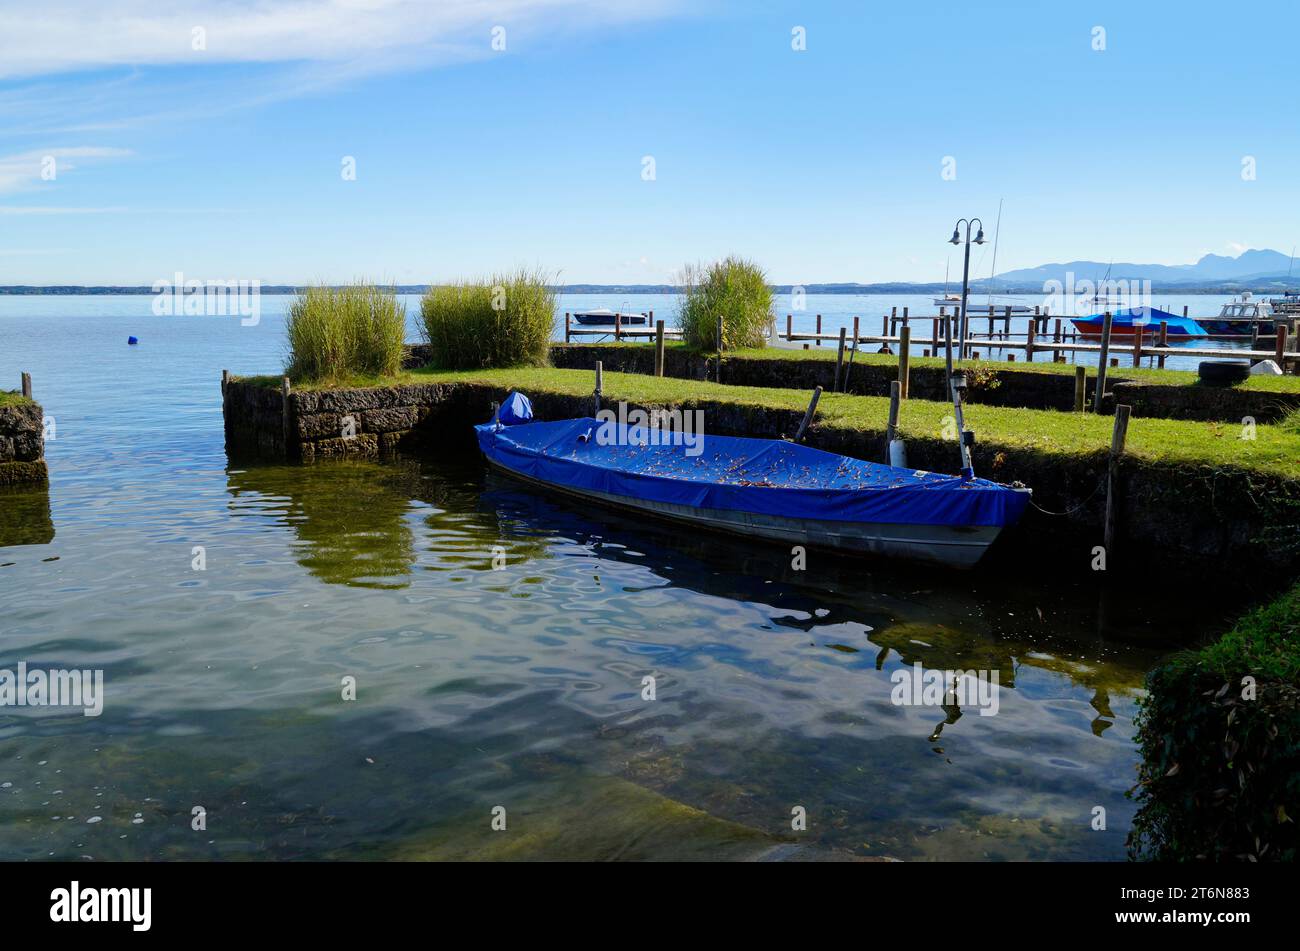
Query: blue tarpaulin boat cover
[[1148, 317], [516, 409], [763, 476]]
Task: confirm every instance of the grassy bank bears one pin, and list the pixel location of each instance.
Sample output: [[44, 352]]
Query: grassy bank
[[13, 398], [1274, 451], [1219, 732]]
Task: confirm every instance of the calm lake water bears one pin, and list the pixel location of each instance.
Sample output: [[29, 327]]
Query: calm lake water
[[518, 688]]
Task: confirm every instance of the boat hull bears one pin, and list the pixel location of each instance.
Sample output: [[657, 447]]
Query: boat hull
[[953, 547], [601, 320]]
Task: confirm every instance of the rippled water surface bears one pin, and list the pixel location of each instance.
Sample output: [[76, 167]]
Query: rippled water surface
[[518, 688]]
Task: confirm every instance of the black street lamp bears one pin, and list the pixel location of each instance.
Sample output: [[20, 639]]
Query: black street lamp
[[957, 380]]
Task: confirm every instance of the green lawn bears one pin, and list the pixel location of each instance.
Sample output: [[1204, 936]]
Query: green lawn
[[1275, 450]]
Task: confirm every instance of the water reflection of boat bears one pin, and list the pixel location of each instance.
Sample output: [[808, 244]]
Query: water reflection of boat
[[762, 488]]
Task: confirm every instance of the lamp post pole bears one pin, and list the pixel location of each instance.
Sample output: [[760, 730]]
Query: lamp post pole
[[956, 386]]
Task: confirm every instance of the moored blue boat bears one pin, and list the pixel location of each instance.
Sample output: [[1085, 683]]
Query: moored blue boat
[[1126, 322], [763, 488]]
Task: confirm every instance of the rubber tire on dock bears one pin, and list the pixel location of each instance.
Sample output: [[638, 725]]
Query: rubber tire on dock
[[1223, 372]]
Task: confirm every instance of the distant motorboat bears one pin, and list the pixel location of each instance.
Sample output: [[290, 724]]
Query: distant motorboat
[[976, 310], [607, 318], [1242, 317], [1127, 323]]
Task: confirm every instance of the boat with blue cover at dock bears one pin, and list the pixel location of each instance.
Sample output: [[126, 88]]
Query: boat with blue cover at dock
[[761, 488], [1127, 322]]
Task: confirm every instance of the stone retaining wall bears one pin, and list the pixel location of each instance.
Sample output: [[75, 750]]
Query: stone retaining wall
[[22, 443], [1233, 522]]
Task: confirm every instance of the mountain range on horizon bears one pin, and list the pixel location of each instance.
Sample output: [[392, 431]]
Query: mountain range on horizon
[[1251, 265]]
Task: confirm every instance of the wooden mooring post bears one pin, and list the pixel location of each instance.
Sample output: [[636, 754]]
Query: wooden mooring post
[[27, 385], [1029, 340], [1080, 387], [904, 359], [1117, 439], [568, 326], [659, 348], [1106, 321], [891, 430], [808, 414], [1137, 345], [718, 375], [600, 374], [225, 381], [789, 326], [819, 330], [1280, 345], [1163, 340], [839, 360]]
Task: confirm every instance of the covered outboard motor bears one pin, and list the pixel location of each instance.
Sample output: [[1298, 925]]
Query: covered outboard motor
[[515, 410]]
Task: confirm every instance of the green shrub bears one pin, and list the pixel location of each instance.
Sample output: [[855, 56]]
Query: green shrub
[[1219, 778], [334, 333], [735, 290], [504, 321]]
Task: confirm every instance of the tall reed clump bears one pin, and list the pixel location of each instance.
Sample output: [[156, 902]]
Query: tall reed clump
[[503, 321], [334, 333], [735, 290]]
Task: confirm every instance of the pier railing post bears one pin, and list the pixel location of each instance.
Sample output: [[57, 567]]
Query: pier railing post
[[1106, 322], [904, 360], [1280, 345], [1137, 345], [659, 348], [1117, 439], [27, 385], [1030, 332], [1163, 341]]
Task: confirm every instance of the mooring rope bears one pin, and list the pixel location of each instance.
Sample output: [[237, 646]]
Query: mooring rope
[[1071, 511]]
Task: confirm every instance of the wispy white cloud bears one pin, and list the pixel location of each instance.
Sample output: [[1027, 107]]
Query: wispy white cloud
[[27, 170], [56, 210], [61, 36]]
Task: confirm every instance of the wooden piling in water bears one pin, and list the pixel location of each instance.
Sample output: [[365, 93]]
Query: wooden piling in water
[[1117, 439], [618, 327], [1106, 322], [27, 385], [568, 328], [789, 326], [819, 330], [1163, 340], [1137, 345], [659, 348], [1056, 338], [1279, 347], [839, 360], [225, 380], [1029, 340], [1080, 387], [808, 414], [904, 358]]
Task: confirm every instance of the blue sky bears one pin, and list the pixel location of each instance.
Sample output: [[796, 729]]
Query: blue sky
[[822, 164]]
